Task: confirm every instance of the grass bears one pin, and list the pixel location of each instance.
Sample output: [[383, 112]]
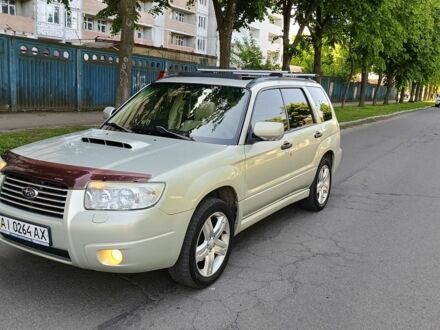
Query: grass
[[10, 140], [349, 113]]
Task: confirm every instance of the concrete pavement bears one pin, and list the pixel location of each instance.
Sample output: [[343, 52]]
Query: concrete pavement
[[25, 120], [370, 260]]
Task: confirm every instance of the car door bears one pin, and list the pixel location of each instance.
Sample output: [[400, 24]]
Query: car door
[[306, 135], [268, 163]]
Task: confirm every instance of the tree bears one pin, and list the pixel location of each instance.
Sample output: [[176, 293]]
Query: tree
[[230, 15], [246, 54], [300, 11], [125, 16]]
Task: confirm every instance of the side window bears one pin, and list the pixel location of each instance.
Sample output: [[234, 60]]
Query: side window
[[269, 106], [322, 103], [297, 107]]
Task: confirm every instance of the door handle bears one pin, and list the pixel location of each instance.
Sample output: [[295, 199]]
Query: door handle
[[286, 145], [318, 134]]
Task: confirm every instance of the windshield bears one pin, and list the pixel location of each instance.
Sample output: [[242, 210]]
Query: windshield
[[204, 113]]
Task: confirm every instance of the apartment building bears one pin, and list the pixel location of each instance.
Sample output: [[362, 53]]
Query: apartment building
[[38, 19], [182, 28]]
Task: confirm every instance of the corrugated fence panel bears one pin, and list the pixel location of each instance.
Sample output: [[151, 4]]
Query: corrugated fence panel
[[98, 79], [5, 101], [37, 76], [45, 76], [145, 70]]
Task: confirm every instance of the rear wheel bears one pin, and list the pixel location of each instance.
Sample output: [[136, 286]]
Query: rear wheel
[[207, 245], [320, 188]]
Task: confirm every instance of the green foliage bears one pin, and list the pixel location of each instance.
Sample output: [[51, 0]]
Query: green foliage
[[246, 54], [334, 60], [350, 113]]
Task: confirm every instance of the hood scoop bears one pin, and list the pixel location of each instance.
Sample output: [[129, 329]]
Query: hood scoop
[[108, 143]]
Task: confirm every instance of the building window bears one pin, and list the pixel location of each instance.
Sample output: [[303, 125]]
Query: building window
[[71, 20], [203, 3], [201, 45], [178, 40], [8, 7], [53, 14], [139, 34], [102, 26], [88, 23], [178, 16], [202, 22]]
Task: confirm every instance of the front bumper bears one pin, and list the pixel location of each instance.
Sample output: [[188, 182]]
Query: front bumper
[[149, 239]]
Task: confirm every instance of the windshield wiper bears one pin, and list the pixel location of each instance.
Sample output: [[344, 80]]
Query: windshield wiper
[[161, 130], [119, 127], [167, 131]]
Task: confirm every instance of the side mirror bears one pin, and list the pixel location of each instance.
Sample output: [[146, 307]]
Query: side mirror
[[269, 131], [108, 112]]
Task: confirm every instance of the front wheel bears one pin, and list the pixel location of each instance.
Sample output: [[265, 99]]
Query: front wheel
[[320, 188], [207, 245]]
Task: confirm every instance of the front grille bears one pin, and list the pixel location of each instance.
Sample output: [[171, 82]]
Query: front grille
[[51, 198]]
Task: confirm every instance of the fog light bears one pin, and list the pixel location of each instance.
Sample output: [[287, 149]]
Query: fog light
[[117, 256], [110, 257]]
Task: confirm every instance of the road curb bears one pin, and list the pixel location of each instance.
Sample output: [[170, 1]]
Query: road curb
[[368, 120]]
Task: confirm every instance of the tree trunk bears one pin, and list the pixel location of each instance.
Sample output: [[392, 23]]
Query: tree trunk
[[419, 92], [387, 94], [413, 91], [348, 82], [287, 54], [127, 10], [225, 40], [364, 82], [426, 93], [317, 36], [376, 92], [225, 25], [402, 94]]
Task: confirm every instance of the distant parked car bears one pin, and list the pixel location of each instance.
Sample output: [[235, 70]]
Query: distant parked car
[[173, 175], [437, 101]]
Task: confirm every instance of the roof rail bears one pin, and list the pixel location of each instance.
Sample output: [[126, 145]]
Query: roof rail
[[259, 73]]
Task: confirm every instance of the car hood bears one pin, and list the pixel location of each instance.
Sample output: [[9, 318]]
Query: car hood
[[119, 151]]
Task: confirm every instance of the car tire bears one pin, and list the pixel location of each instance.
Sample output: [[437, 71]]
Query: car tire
[[320, 188], [209, 236]]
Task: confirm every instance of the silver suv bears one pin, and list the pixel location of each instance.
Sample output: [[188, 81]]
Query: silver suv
[[173, 175]]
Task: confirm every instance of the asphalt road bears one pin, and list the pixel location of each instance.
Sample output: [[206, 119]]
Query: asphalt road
[[370, 260]]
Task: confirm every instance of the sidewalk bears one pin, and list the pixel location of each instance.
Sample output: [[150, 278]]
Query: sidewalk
[[26, 120]]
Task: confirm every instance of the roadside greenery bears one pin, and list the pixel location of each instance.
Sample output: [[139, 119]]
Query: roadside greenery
[[350, 113], [396, 39]]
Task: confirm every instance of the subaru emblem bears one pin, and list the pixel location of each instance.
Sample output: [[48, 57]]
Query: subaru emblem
[[29, 192]]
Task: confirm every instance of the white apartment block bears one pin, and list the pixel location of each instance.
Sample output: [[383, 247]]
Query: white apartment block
[[268, 36], [189, 29], [38, 19], [181, 27]]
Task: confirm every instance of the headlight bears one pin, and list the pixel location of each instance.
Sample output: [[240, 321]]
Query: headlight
[[102, 195], [2, 164]]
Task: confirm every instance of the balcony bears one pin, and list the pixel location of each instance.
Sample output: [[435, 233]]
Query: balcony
[[182, 5], [92, 7], [16, 24]]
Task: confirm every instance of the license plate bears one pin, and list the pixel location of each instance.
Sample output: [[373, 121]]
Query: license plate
[[26, 231]]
